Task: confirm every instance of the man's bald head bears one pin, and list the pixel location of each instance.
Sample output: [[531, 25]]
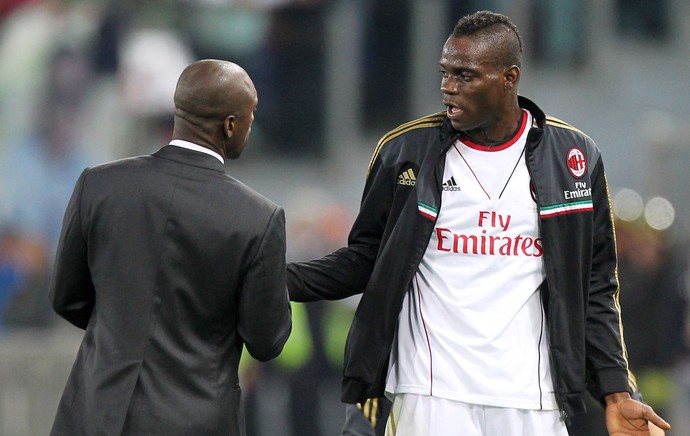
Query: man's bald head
[[213, 89], [214, 105]]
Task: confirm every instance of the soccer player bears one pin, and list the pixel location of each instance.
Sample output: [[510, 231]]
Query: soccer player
[[484, 250]]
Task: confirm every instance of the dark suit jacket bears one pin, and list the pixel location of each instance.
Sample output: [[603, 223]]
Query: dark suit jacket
[[171, 266]]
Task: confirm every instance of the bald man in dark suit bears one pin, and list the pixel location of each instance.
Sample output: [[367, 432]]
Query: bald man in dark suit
[[171, 266]]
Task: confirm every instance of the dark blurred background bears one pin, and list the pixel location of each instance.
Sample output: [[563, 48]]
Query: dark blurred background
[[86, 81]]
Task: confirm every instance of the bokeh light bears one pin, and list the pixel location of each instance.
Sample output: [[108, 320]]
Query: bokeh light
[[628, 204], [659, 213]]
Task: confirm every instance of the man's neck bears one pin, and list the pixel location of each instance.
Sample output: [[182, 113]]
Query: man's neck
[[501, 132]]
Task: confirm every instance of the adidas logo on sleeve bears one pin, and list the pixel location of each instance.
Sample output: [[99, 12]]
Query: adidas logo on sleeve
[[407, 178], [451, 185]]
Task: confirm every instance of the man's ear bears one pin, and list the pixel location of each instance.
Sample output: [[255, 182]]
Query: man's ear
[[229, 125], [511, 77]]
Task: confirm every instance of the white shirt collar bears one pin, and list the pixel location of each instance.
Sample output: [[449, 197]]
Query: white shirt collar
[[191, 146]]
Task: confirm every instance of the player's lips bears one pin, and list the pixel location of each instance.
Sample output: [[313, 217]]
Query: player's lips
[[453, 111]]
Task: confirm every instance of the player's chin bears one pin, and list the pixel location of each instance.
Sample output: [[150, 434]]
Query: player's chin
[[458, 125]]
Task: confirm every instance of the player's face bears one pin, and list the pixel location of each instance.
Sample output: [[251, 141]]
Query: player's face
[[472, 87]]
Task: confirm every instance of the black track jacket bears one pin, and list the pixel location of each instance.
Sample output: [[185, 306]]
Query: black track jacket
[[402, 195]]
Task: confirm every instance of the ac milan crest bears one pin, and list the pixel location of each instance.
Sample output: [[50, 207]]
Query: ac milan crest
[[577, 163]]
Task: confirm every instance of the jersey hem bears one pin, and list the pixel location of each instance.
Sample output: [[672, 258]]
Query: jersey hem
[[473, 399]]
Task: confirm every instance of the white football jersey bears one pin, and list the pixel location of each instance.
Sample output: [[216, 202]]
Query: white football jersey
[[472, 327]]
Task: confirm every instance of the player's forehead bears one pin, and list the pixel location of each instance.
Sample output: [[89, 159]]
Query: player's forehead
[[463, 53]]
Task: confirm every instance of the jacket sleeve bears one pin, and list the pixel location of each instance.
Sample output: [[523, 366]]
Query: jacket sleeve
[[606, 353], [264, 316], [346, 271], [71, 289]]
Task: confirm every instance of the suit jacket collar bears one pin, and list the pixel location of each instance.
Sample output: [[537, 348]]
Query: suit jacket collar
[[190, 157]]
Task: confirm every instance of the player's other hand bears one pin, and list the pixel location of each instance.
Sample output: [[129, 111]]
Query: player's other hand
[[628, 417]]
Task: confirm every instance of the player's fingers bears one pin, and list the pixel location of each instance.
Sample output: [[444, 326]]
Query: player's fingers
[[652, 417]]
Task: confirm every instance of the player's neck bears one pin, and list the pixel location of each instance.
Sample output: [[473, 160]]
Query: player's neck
[[500, 133]]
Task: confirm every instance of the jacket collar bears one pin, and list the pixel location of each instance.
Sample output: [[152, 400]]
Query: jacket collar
[[448, 135], [538, 115], [189, 157]]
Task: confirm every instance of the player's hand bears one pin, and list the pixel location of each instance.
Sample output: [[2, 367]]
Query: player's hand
[[655, 431], [370, 410], [628, 417]]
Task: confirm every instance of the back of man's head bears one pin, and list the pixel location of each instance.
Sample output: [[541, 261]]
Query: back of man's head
[[212, 88]]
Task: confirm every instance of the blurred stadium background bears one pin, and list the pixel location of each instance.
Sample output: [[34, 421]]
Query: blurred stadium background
[[85, 81]]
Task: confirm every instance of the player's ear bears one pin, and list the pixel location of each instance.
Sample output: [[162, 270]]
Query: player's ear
[[511, 77]]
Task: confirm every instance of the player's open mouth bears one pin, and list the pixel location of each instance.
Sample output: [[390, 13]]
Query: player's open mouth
[[453, 111]]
